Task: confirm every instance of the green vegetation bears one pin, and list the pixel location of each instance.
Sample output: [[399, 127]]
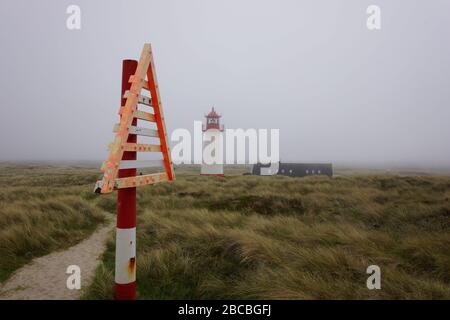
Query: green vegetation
[[243, 236], [42, 209], [247, 237]]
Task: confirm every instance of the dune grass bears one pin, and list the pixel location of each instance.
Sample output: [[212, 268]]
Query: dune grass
[[247, 237], [243, 237], [43, 209]]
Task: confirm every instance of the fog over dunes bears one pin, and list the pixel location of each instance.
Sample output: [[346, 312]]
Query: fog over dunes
[[337, 91]]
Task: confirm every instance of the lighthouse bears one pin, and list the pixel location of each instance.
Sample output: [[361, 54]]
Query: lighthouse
[[212, 135]]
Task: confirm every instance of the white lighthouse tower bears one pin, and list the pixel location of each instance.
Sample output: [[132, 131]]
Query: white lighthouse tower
[[212, 131]]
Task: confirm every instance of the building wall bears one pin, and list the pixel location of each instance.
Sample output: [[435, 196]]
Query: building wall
[[305, 169], [211, 169], [265, 169]]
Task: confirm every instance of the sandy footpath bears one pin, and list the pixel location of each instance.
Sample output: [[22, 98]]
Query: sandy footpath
[[45, 277]]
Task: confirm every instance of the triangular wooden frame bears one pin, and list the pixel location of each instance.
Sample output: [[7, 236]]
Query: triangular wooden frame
[[110, 168]]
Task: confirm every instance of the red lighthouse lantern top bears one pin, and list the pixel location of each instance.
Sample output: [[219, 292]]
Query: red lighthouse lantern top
[[213, 120]]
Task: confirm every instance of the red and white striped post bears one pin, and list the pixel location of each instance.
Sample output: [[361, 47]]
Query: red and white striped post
[[125, 273]]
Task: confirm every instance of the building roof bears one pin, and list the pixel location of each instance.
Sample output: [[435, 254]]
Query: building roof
[[291, 165], [213, 114]]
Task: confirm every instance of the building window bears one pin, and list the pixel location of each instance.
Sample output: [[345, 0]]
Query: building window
[[318, 172], [312, 171], [307, 171], [290, 171], [282, 170]]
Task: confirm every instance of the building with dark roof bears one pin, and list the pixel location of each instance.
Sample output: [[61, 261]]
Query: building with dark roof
[[293, 169]]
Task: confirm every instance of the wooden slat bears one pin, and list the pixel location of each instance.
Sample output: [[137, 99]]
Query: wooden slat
[[140, 131], [131, 164], [141, 99], [143, 180], [142, 115], [136, 181], [144, 82], [141, 147]]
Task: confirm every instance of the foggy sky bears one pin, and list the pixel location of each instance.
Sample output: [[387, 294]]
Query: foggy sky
[[337, 91]]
